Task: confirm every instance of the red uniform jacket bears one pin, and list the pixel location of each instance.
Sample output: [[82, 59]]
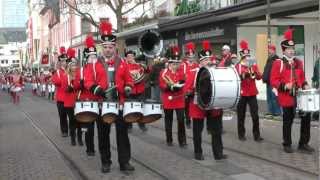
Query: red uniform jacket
[[195, 112], [281, 75], [177, 99], [189, 66], [95, 74], [83, 94], [122, 79], [70, 97], [248, 85], [57, 81]]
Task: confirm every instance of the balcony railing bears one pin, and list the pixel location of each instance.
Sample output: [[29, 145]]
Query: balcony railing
[[192, 6]]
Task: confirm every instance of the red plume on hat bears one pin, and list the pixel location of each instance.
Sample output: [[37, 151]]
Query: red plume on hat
[[105, 28], [89, 41], [190, 46], [288, 34], [71, 53], [244, 44], [62, 50], [175, 50], [206, 45]]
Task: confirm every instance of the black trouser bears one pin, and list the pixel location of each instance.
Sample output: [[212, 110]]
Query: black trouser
[[123, 142], [187, 101], [138, 97], [288, 117], [73, 125], [168, 117], [63, 117], [241, 112], [51, 96], [89, 136]]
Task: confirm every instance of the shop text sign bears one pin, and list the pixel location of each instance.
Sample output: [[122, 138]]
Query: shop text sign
[[205, 34]]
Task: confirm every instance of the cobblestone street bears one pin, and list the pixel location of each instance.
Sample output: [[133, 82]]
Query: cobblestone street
[[32, 148]]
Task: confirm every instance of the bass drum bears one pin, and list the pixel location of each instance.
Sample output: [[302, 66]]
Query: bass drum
[[217, 87]]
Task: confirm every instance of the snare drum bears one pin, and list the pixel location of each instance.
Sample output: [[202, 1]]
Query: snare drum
[[217, 87], [132, 111], [86, 111], [308, 100], [109, 112], [152, 111]]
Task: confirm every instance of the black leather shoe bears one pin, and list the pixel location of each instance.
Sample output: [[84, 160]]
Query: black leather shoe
[[221, 157], [91, 153], [243, 138], [73, 142], [169, 144], [288, 149], [183, 145], [126, 167], [80, 142], [105, 168], [305, 148], [199, 156], [258, 139]]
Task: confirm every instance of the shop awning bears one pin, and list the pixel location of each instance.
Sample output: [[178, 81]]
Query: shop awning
[[137, 30]]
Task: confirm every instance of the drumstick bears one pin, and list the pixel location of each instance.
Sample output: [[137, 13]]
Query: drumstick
[[110, 89]]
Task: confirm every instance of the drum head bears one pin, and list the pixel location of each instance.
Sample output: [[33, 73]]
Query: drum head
[[109, 118], [133, 117], [204, 87], [152, 101], [86, 117], [150, 118]]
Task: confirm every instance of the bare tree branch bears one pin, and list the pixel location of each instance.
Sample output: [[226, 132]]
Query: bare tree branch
[[136, 5], [109, 3]]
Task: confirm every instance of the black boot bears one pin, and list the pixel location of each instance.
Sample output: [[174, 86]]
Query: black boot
[[105, 168], [126, 167], [73, 140], [79, 136]]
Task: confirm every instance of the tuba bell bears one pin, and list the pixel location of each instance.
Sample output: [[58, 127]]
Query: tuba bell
[[151, 43]]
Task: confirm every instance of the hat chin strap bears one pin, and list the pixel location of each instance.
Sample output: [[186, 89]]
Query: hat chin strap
[[289, 59]]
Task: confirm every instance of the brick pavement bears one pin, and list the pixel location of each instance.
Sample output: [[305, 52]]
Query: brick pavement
[[24, 153], [150, 148]]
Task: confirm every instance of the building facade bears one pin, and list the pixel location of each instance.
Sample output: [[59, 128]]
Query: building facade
[[13, 13]]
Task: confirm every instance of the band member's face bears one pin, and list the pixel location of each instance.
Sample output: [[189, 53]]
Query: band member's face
[[271, 51], [92, 59], [108, 50], [174, 66], [225, 52], [63, 64], [130, 58], [289, 52], [204, 62]]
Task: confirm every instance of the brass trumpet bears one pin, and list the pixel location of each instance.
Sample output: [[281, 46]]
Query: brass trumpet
[[168, 80]]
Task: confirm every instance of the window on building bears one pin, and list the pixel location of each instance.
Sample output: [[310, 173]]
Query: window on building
[[17, 61], [2, 61], [6, 61], [85, 26], [1, 47]]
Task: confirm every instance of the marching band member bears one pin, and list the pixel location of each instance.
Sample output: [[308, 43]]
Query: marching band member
[[95, 81], [51, 87], [287, 76], [171, 81], [34, 84], [70, 96], [249, 73], [16, 86], [60, 95], [214, 117], [42, 80], [227, 57], [137, 73], [117, 67], [189, 63]]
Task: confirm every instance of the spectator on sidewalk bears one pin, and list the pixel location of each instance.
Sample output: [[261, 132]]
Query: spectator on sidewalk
[[315, 81], [274, 110]]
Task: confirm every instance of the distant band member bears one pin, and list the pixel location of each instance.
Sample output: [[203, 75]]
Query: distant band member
[[171, 82], [60, 95], [249, 73]]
